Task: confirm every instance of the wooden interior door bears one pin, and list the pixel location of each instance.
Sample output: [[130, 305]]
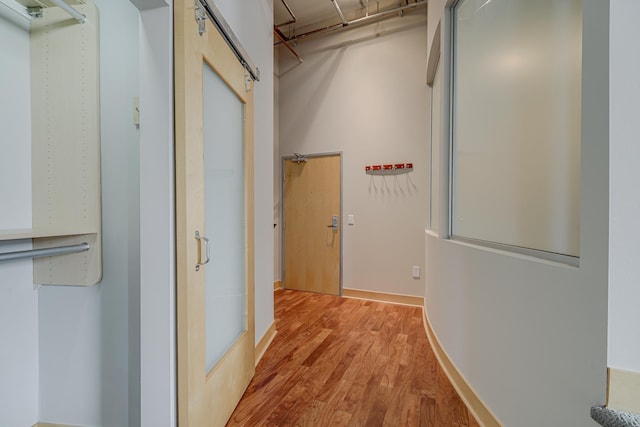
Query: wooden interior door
[[214, 220], [312, 248]]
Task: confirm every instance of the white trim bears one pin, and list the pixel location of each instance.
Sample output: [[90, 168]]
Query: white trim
[[263, 345], [467, 394], [534, 254], [409, 300], [623, 390], [158, 403], [15, 12]]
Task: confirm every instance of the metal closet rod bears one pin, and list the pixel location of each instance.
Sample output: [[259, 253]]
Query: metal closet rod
[[39, 253]]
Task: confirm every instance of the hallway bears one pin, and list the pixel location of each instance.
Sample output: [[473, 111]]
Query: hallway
[[339, 361]]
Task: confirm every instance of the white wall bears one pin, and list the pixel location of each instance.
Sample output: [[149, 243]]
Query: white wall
[[624, 229], [89, 364], [157, 234], [252, 22], [277, 168], [18, 299], [363, 92], [529, 335]]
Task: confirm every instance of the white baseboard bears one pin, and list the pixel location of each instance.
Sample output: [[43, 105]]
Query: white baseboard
[[623, 390], [476, 407], [265, 341], [383, 297]]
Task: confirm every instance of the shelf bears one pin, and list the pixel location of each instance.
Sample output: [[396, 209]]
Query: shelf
[[30, 233]]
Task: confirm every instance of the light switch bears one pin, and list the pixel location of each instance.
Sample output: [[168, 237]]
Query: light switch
[[416, 271], [350, 220]]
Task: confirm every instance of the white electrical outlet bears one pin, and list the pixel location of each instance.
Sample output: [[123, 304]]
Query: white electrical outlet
[[350, 220], [415, 270]]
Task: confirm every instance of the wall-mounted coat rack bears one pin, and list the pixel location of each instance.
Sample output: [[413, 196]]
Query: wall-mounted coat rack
[[389, 169], [65, 147]]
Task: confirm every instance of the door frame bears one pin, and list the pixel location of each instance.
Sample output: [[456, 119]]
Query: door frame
[[282, 191]]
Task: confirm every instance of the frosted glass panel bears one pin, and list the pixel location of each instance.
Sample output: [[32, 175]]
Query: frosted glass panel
[[516, 123], [224, 216]]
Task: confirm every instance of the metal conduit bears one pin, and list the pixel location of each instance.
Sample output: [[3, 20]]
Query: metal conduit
[[358, 21], [293, 19], [388, 12], [283, 39], [337, 6]]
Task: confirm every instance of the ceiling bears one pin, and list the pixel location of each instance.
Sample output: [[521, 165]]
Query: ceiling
[[316, 17]]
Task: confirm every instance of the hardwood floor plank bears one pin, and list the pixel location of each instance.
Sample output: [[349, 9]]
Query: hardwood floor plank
[[338, 419], [347, 362], [378, 409], [391, 368], [339, 393], [428, 409], [322, 371], [260, 403], [410, 412], [312, 417], [399, 394], [290, 408], [301, 401], [337, 374], [353, 398]]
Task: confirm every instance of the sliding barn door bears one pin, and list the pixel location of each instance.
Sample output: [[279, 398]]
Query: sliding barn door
[[214, 223]]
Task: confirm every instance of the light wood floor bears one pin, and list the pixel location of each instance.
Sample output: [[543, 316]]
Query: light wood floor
[[346, 362]]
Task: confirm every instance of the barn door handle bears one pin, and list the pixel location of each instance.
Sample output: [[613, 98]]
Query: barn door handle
[[207, 250], [334, 223]]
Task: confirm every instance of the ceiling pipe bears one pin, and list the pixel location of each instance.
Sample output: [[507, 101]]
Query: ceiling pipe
[[359, 21], [366, 6], [284, 40], [318, 31], [337, 6], [293, 19], [388, 12]]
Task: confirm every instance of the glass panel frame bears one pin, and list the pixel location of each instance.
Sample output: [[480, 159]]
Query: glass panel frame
[[435, 150], [572, 257]]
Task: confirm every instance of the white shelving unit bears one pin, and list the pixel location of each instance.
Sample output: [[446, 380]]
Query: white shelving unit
[[65, 162]]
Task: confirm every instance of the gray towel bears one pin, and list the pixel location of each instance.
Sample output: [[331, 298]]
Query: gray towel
[[608, 417]]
